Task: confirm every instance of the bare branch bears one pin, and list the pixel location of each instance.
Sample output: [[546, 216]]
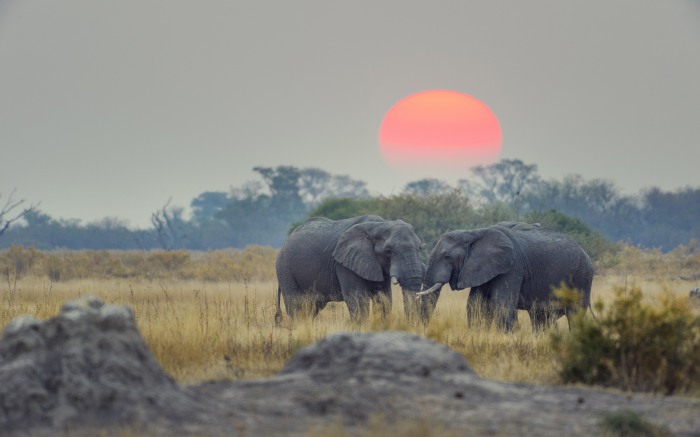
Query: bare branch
[[6, 213], [159, 220], [169, 226]]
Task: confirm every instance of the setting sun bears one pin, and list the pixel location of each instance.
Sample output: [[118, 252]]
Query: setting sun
[[440, 127]]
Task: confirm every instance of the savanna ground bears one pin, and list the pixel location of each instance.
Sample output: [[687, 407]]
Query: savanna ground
[[203, 324]]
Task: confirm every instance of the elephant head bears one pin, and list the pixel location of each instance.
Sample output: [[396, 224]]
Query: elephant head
[[381, 251], [468, 259]]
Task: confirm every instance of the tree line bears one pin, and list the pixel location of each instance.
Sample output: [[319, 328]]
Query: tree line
[[263, 211]]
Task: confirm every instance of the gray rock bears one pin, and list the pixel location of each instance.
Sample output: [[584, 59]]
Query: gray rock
[[86, 367], [388, 355]]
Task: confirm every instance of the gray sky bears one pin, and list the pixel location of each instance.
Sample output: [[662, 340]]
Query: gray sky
[[109, 108]]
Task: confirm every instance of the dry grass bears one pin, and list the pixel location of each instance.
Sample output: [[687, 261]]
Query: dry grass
[[201, 330], [210, 315]]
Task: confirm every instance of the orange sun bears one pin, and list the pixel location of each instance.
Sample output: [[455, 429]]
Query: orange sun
[[440, 127]]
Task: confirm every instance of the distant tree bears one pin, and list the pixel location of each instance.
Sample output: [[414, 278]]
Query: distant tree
[[259, 213], [670, 218], [43, 232], [576, 195], [12, 210], [282, 181], [283, 184], [596, 202], [343, 186], [430, 215], [207, 204], [505, 181], [316, 184], [313, 184], [592, 241], [341, 208], [169, 226], [36, 218], [249, 190], [427, 187]]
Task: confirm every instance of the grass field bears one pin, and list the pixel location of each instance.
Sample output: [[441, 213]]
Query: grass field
[[203, 330]]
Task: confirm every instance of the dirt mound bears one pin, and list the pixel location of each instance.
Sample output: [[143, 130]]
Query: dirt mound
[[379, 355], [89, 368], [86, 367]]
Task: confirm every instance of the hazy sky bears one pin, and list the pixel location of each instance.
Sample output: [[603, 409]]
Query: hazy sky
[[109, 108]]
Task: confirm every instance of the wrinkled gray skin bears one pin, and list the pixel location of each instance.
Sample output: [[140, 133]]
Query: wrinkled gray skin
[[351, 260], [511, 266]]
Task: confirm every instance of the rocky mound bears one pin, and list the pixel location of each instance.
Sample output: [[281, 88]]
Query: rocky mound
[[379, 355], [87, 367], [90, 368]]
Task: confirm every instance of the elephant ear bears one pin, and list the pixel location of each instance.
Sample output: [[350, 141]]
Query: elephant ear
[[355, 251], [491, 254]]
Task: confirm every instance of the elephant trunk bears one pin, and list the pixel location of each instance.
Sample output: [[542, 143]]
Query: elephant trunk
[[412, 284], [407, 271]]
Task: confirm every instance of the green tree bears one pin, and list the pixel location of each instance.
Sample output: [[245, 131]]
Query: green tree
[[592, 241], [505, 181], [207, 204], [427, 187], [430, 216]]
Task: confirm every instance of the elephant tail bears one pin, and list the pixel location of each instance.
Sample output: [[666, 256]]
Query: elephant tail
[[590, 308], [278, 313], [587, 304]]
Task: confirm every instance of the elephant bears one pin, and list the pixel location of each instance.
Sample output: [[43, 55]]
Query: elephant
[[353, 260], [511, 266]]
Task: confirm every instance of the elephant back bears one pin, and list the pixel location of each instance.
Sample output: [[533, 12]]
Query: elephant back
[[549, 255], [320, 234]]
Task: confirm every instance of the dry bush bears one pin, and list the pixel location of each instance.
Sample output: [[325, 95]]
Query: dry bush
[[628, 423], [634, 345], [16, 261], [681, 263]]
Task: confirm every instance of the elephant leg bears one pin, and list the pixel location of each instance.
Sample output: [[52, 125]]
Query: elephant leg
[[420, 309], [507, 316], [543, 317], [358, 305], [294, 305], [479, 308], [291, 294], [319, 304], [381, 303], [303, 304], [504, 299], [356, 294], [538, 318]]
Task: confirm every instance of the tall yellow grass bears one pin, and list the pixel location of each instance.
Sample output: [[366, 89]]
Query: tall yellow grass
[[202, 330]]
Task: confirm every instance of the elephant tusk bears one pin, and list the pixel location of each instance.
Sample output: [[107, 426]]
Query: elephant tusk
[[394, 280], [430, 290]]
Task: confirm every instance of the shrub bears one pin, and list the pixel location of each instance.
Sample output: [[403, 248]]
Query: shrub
[[628, 423], [18, 260], [633, 345]]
